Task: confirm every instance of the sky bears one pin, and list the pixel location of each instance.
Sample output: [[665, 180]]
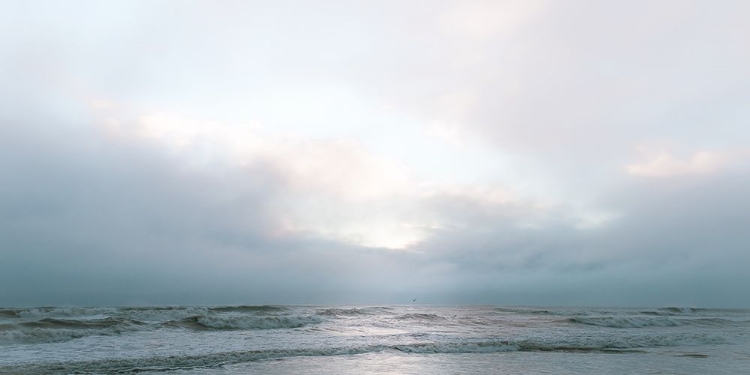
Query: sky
[[335, 152]]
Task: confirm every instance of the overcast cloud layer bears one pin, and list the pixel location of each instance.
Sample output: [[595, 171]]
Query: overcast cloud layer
[[499, 152]]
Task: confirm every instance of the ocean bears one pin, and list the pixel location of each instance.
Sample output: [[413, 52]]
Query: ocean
[[405, 339]]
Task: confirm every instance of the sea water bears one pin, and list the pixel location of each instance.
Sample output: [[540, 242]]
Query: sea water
[[411, 339]]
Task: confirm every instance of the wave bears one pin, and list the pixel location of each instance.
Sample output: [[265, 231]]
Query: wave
[[218, 322], [55, 324], [526, 310], [172, 363], [79, 324], [678, 311], [354, 311], [49, 330], [624, 322], [556, 311], [342, 312], [420, 316], [44, 336], [64, 312], [162, 315], [42, 325], [681, 310], [647, 321], [689, 311], [249, 308], [159, 311], [8, 313]]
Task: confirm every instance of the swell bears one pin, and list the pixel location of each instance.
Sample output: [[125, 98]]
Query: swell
[[72, 312], [63, 312], [420, 316], [665, 311], [528, 311], [362, 311], [649, 321], [249, 308], [51, 323], [681, 310]]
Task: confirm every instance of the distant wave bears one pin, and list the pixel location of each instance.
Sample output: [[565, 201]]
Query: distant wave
[[624, 322], [342, 312], [556, 311], [647, 321], [682, 310], [63, 312], [248, 308], [354, 311], [217, 322], [420, 316], [51, 323], [528, 311], [156, 311]]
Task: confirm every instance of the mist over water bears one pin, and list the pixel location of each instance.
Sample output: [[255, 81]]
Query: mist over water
[[410, 339]]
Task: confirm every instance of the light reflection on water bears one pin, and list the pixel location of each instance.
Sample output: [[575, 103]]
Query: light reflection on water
[[489, 363]]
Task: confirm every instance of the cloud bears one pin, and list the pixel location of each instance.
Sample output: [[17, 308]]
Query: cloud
[[483, 19], [102, 104], [664, 235], [336, 189], [666, 165], [451, 135], [341, 166], [96, 215], [464, 151], [591, 80]]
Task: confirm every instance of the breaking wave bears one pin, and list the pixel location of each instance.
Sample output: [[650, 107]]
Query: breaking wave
[[8, 313], [58, 330], [48, 324]]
